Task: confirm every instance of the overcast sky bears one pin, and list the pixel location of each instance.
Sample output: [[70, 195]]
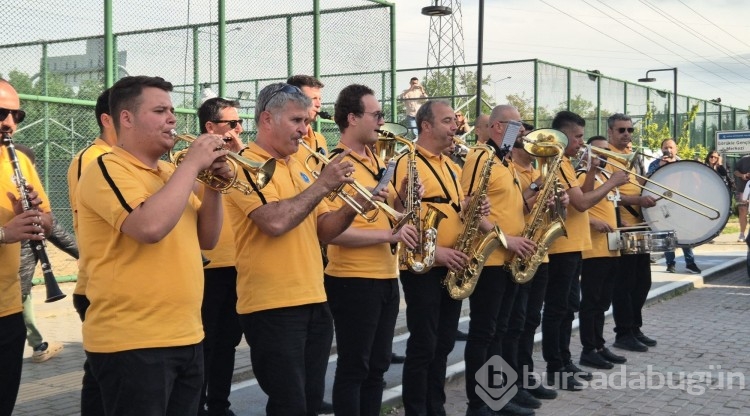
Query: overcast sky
[[707, 40]]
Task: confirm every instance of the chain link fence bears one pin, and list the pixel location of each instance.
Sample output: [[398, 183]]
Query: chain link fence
[[186, 43]]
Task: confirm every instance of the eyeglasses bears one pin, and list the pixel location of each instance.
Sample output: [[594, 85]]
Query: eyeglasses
[[379, 115], [232, 123], [286, 88], [18, 115], [713, 157], [621, 130]]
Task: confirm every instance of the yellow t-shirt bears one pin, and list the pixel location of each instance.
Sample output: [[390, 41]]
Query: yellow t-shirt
[[504, 194], [627, 189], [223, 254], [576, 223], [283, 271], [142, 295], [449, 205], [10, 254], [604, 210], [76, 168], [374, 261]]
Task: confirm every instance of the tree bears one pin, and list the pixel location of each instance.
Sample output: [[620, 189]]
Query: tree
[[440, 84]]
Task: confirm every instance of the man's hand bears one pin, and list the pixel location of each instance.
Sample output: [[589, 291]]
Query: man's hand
[[646, 201], [337, 172], [24, 226], [521, 246], [407, 235], [204, 151], [619, 178], [599, 225], [452, 259]]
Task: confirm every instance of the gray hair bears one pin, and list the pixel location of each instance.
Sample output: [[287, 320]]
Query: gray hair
[[425, 113], [276, 96], [500, 113], [617, 117]]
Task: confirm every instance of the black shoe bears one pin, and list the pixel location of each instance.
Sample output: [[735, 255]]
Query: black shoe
[[461, 336], [612, 357], [671, 268], [563, 380], [511, 409], [693, 268], [644, 339], [593, 359], [583, 375], [524, 399], [397, 359], [325, 408], [537, 389], [630, 343]]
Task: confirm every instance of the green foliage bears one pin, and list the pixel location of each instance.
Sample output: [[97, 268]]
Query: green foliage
[[652, 134], [440, 84]]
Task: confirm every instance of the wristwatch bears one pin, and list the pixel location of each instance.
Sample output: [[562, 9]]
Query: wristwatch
[[534, 187]]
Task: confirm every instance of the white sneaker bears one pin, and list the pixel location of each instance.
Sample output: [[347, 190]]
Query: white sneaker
[[46, 351], [741, 238]]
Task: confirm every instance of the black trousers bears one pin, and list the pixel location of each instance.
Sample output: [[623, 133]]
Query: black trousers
[[364, 315], [561, 302], [536, 290], [150, 381], [223, 333], [490, 306], [91, 397], [13, 332], [597, 279], [289, 352], [432, 320], [630, 292]]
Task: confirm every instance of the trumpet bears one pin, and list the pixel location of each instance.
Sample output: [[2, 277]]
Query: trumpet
[[263, 171], [385, 147], [394, 216], [462, 148], [628, 160]]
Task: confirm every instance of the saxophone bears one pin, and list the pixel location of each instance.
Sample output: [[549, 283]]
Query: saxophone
[[470, 241], [546, 224], [422, 258]]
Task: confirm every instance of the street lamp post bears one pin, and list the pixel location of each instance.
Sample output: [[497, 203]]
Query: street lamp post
[[495, 86], [674, 93]]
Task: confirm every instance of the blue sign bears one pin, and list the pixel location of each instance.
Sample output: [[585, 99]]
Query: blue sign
[[737, 141]]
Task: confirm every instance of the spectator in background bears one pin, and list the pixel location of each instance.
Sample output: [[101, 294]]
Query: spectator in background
[[413, 98], [713, 161], [482, 128], [462, 123], [742, 173]]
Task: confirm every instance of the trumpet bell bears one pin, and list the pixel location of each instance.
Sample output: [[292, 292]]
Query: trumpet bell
[[545, 142], [394, 128], [625, 159]]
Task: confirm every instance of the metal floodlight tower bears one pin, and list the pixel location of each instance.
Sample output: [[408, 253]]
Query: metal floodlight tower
[[446, 41]]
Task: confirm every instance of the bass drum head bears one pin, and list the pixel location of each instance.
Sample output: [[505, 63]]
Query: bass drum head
[[694, 180]]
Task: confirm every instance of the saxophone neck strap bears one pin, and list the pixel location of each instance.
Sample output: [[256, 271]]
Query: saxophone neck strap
[[447, 199]]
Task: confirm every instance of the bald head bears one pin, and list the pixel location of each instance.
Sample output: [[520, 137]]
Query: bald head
[[499, 121], [9, 100]]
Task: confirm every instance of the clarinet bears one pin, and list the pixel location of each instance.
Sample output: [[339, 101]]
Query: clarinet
[[38, 247]]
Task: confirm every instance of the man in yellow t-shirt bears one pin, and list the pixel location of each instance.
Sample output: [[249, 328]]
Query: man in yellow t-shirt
[[492, 299], [281, 298], [562, 299], [634, 274], [598, 272], [361, 277], [432, 315], [91, 399], [219, 308], [15, 225], [312, 88], [135, 212]]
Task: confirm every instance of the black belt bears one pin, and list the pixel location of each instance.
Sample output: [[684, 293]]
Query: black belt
[[441, 200]]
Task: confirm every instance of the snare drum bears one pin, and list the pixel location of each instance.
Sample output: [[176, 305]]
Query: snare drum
[[640, 242]]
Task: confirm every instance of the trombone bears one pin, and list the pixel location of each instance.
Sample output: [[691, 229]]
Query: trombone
[[394, 216], [627, 160], [263, 171]]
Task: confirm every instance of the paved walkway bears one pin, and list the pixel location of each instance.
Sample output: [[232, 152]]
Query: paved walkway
[[691, 336]]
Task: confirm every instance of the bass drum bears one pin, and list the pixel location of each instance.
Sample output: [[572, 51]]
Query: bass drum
[[697, 224]]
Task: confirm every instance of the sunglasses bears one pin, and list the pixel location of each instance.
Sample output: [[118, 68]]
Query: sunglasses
[[622, 130], [285, 88], [232, 123], [379, 115], [18, 115]]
